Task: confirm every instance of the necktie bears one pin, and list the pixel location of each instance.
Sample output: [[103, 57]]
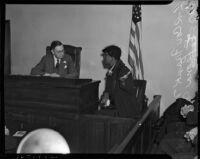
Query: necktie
[[57, 63]]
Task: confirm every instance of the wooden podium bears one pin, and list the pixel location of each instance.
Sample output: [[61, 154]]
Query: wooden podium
[[51, 94]]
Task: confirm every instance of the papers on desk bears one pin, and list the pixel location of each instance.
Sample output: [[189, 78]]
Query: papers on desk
[[19, 133]]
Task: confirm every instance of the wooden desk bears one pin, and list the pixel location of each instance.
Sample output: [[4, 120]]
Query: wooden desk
[[34, 102], [51, 94], [108, 112]]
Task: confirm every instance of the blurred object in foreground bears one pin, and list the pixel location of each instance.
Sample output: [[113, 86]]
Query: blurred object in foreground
[[43, 141]]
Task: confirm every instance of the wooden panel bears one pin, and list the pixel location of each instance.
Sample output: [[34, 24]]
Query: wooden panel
[[103, 132], [139, 139], [69, 128], [94, 136], [84, 133]]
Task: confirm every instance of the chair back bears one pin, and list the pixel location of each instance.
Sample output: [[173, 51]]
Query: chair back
[[140, 86], [74, 52]]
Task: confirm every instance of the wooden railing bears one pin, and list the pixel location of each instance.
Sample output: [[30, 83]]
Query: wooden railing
[[140, 138], [85, 133]]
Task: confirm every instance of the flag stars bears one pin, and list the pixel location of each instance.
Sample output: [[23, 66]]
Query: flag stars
[[136, 14]]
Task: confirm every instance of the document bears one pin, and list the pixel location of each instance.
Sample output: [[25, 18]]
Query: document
[[19, 133]]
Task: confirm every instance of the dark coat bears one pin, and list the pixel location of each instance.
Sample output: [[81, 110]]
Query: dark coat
[[122, 96], [46, 65], [171, 119], [173, 142]]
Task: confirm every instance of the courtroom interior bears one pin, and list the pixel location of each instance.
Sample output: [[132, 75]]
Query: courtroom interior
[[156, 45]]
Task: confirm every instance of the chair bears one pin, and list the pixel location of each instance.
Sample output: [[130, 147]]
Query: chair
[[74, 52], [140, 86]]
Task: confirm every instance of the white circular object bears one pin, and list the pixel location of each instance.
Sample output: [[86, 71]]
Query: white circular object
[[43, 141]]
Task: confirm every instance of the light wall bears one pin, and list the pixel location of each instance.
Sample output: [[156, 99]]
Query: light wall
[[93, 27]]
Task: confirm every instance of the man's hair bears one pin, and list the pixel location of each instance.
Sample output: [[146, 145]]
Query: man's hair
[[54, 44], [113, 51]]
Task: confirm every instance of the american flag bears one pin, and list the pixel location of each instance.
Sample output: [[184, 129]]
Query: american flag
[[134, 51]]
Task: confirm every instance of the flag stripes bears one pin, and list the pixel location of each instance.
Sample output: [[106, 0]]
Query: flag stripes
[[132, 64], [134, 52]]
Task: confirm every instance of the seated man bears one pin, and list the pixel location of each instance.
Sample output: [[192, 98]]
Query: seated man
[[56, 64], [119, 93]]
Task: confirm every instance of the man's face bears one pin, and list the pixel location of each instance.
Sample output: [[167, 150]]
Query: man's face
[[58, 51], [107, 60]]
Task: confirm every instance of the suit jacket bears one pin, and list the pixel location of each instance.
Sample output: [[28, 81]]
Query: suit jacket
[[46, 65], [121, 95]]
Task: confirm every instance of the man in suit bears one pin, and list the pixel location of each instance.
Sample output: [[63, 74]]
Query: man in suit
[[56, 64], [119, 91]]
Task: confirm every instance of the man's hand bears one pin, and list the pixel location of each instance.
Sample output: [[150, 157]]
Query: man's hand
[[104, 101], [47, 74], [104, 98], [190, 135], [186, 109], [51, 74], [55, 75]]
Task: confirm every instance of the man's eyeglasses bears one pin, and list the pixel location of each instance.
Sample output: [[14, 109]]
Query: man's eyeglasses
[[59, 51]]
